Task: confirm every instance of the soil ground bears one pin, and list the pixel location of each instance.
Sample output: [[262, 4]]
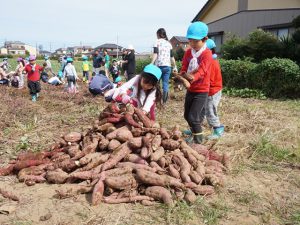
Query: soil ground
[[262, 138]]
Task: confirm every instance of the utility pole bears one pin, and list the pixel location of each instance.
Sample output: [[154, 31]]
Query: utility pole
[[117, 46]]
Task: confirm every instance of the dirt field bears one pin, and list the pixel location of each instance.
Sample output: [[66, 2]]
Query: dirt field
[[262, 138]]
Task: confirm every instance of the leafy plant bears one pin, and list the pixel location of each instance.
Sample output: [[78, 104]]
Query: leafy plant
[[244, 93], [23, 143]]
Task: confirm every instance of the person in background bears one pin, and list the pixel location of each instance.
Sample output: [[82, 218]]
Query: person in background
[[4, 76], [129, 62], [196, 66], [214, 94], [106, 62], [71, 75], [123, 64], [97, 62], [100, 84], [18, 77], [33, 77], [85, 68], [56, 80], [5, 64], [163, 58], [48, 68], [114, 70], [142, 91]]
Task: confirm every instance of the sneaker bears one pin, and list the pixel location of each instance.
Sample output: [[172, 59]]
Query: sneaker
[[37, 95], [217, 133], [33, 98]]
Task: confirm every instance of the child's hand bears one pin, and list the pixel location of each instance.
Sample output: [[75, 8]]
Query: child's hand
[[125, 99], [189, 77]]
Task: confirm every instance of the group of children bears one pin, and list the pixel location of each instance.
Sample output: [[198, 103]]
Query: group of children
[[199, 66]]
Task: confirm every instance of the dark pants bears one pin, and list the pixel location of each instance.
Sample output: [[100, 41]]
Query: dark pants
[[95, 91], [34, 87], [71, 80], [86, 74], [193, 110], [130, 76]]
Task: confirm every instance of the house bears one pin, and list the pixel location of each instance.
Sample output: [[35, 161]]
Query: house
[[243, 16], [112, 49], [3, 51], [15, 47], [85, 50], [179, 42], [45, 53], [31, 50], [60, 51]]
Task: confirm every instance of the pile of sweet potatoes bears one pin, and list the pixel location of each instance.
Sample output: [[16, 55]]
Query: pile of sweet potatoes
[[124, 157]]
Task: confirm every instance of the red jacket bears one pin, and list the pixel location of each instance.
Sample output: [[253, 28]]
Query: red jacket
[[33, 75], [202, 76], [215, 78]]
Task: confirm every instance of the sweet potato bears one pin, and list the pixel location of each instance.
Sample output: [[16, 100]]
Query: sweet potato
[[134, 158], [59, 157], [33, 178], [169, 144], [135, 143], [117, 155], [148, 203], [160, 193], [185, 167], [104, 127], [114, 108], [126, 181], [73, 150], [113, 144], [113, 134], [164, 133], [215, 164], [98, 192], [143, 118], [158, 169], [128, 193], [176, 133], [72, 190], [4, 171], [200, 169], [28, 163], [155, 156], [213, 179], [191, 159], [123, 135], [57, 176], [201, 149], [82, 175], [33, 170], [187, 150], [162, 162], [117, 171], [126, 200], [195, 177], [8, 195], [173, 172], [204, 190], [190, 196], [137, 132], [32, 156], [66, 165], [145, 153], [72, 137], [96, 161], [130, 121], [156, 142], [91, 147], [103, 144], [135, 166], [184, 81], [151, 178]]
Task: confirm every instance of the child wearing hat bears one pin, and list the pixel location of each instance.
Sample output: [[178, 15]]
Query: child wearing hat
[[33, 76], [85, 69], [196, 66], [71, 75], [17, 79], [142, 91], [114, 70], [214, 94]]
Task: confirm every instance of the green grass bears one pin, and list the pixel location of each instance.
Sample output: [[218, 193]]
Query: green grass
[[265, 149]]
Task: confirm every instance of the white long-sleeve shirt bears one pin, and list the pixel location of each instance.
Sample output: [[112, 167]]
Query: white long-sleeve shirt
[[133, 85], [70, 71]]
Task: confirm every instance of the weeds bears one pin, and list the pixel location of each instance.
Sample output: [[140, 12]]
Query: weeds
[[23, 144]]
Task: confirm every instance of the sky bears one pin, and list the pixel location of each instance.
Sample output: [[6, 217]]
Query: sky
[[64, 23]]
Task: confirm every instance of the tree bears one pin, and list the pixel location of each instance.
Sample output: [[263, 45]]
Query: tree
[[41, 47], [179, 53]]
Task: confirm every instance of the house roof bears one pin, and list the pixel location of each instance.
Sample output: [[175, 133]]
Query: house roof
[[204, 9], [14, 42], [109, 46], [44, 52], [61, 49], [181, 39]]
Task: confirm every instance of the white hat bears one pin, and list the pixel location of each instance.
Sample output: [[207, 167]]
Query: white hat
[[130, 47]]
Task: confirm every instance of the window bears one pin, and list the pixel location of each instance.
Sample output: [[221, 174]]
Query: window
[[283, 32]]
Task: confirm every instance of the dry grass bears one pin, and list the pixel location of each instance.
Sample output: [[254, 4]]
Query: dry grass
[[262, 138]]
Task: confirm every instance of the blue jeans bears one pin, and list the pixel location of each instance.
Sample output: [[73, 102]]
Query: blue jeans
[[166, 72]]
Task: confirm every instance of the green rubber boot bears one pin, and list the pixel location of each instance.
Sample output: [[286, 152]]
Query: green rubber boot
[[33, 98], [217, 133]]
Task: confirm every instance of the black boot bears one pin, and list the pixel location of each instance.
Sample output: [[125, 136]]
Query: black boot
[[198, 138], [165, 97]]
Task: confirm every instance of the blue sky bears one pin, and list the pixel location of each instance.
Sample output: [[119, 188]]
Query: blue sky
[[63, 23]]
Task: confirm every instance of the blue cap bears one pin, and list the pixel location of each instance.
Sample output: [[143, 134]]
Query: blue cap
[[197, 31], [118, 79], [46, 57], [154, 70], [84, 57], [210, 44], [69, 59]]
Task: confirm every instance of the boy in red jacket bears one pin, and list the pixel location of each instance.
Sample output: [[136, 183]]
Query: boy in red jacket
[[214, 95], [33, 76], [196, 66]]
